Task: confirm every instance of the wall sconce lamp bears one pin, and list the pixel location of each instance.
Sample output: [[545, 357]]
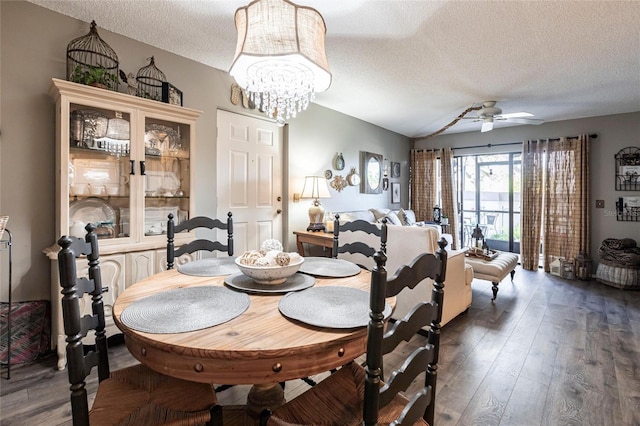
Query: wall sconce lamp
[[315, 187]]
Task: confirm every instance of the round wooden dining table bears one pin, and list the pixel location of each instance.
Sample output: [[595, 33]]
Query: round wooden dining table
[[260, 347]]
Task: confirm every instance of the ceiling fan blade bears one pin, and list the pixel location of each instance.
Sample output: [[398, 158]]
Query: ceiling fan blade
[[525, 121], [487, 126], [516, 114]]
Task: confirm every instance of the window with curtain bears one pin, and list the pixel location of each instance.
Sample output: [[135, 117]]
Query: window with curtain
[[556, 195]]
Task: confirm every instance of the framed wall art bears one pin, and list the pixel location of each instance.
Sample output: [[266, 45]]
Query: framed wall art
[[371, 172], [395, 192], [395, 170]]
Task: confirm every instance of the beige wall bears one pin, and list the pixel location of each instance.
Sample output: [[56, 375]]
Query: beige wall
[[33, 47], [614, 133]]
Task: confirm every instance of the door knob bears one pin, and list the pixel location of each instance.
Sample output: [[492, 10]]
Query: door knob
[[279, 211], [279, 198]]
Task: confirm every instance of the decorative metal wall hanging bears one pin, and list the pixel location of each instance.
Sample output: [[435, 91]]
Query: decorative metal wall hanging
[[338, 183], [628, 169]]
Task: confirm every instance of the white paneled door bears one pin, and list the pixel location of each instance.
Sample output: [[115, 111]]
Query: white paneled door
[[249, 158]]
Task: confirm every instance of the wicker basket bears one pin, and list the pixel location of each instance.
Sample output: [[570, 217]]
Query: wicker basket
[[610, 273]]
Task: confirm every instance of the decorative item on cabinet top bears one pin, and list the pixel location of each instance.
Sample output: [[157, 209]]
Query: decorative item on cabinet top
[[171, 94], [91, 61], [150, 80]]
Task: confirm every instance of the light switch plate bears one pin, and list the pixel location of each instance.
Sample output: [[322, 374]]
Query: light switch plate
[[599, 204]]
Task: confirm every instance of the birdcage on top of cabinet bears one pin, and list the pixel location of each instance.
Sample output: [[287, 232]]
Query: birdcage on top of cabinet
[[150, 80], [91, 61]]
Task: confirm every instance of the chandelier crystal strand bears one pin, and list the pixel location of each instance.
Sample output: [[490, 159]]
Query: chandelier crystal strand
[[280, 58], [281, 90]]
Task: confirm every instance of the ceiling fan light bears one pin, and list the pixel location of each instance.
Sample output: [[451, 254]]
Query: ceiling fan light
[[516, 115], [280, 57], [487, 125]]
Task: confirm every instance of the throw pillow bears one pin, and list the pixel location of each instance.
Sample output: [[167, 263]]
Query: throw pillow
[[393, 219], [405, 218], [379, 214]]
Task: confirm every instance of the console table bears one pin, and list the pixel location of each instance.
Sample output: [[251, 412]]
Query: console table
[[320, 238]]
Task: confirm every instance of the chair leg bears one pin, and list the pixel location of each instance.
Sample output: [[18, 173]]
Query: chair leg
[[264, 417], [216, 416]]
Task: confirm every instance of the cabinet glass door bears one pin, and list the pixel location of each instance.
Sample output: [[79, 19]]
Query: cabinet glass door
[[98, 171], [166, 173]]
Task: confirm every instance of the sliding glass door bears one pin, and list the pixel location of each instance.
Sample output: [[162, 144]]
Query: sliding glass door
[[489, 190]]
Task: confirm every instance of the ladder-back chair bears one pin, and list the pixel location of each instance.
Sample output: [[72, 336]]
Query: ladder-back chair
[[132, 395], [357, 395], [200, 244]]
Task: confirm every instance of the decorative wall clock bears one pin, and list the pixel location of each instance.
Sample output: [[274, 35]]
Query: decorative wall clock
[[353, 178]]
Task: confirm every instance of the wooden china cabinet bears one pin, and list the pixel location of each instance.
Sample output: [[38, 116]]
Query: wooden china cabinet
[[123, 163]]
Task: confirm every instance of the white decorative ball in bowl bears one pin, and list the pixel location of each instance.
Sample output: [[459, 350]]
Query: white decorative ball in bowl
[[272, 275]]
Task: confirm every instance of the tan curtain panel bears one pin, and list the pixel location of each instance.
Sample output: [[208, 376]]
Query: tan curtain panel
[[532, 193], [566, 203], [449, 199], [423, 183]]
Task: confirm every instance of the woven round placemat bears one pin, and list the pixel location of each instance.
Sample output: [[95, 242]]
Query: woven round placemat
[[329, 306], [185, 309], [210, 267], [329, 267]]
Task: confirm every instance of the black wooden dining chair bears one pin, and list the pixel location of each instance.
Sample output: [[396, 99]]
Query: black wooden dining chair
[[363, 234], [357, 395], [132, 395], [200, 244]]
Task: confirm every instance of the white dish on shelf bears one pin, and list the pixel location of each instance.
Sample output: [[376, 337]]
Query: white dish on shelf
[[96, 172], [91, 210], [156, 181]]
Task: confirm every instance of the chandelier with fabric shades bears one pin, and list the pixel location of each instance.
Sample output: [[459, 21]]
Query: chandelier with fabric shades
[[280, 59]]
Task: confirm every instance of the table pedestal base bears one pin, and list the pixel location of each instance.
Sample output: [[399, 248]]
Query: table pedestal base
[[270, 395]]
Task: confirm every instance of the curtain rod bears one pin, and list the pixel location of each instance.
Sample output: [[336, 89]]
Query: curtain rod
[[592, 136]]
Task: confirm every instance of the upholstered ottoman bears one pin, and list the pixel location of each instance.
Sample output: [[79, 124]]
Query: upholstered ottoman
[[494, 270]]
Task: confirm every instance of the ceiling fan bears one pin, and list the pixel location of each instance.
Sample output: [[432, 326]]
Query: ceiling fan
[[489, 113]]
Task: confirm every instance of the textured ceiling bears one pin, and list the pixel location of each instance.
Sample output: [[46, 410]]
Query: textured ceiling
[[413, 66]]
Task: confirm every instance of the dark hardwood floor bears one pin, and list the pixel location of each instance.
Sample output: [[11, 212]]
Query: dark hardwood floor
[[547, 352]]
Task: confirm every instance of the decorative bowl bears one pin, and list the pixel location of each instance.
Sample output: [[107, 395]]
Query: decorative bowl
[[271, 275]]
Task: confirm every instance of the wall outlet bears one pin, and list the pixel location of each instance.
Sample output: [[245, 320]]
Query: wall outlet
[[599, 204]]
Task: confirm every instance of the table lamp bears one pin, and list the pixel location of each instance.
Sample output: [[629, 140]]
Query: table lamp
[[315, 187]]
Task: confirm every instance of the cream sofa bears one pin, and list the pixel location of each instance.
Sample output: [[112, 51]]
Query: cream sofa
[[405, 243]]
